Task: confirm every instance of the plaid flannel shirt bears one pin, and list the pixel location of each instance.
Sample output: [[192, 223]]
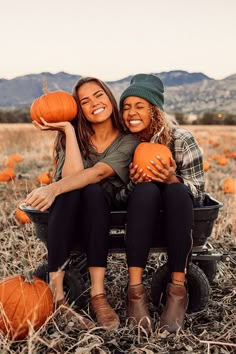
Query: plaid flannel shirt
[[189, 160]]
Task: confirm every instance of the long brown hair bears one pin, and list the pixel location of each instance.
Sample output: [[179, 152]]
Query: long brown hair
[[82, 126]]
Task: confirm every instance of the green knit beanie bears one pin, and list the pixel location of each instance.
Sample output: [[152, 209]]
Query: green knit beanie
[[147, 86]]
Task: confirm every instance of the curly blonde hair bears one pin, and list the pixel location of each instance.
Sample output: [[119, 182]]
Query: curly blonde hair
[[159, 120]]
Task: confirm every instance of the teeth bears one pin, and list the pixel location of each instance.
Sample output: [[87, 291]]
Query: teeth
[[99, 110], [134, 122]]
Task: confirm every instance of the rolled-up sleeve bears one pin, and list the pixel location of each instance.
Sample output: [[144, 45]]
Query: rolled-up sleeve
[[189, 160]]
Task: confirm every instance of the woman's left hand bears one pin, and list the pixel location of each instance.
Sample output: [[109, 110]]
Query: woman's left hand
[[165, 174], [41, 198], [136, 175]]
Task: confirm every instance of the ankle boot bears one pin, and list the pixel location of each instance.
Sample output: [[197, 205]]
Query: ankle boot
[[65, 310], [137, 309], [105, 315], [172, 317]]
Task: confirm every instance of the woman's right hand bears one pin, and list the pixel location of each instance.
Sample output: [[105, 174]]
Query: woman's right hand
[[41, 198], [60, 126], [136, 174]]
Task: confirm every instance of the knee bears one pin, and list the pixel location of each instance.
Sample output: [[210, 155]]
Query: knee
[[177, 192], [69, 197], [146, 187], [94, 194], [145, 193], [92, 189]]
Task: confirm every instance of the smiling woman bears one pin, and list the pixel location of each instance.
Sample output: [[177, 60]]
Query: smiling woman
[[169, 186], [92, 155]]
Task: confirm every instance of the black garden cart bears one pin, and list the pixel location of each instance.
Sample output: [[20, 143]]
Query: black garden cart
[[201, 272]]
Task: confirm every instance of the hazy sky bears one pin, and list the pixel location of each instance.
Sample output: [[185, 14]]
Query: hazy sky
[[111, 39]]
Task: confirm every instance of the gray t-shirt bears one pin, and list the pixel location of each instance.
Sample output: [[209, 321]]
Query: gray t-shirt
[[118, 156]]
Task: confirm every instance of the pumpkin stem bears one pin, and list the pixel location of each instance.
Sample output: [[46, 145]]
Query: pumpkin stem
[[29, 277], [45, 86], [156, 136]]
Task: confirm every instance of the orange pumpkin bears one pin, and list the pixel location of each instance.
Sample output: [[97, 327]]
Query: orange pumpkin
[[23, 304], [148, 151], [206, 166], [214, 143], [21, 216], [231, 155], [54, 106], [45, 178], [229, 185], [9, 162], [222, 161], [16, 158], [7, 175]]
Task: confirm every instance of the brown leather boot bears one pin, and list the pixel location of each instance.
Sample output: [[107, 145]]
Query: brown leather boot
[[80, 322], [137, 309], [105, 315], [172, 317]]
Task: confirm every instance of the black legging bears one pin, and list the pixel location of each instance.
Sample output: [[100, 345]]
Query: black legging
[[144, 223], [81, 216]]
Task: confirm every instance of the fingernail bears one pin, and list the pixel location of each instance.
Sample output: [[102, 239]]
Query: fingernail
[[151, 161]]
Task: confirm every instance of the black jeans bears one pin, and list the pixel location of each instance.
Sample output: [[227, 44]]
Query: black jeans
[[79, 217], [143, 223]]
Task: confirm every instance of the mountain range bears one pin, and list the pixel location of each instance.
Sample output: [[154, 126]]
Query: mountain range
[[184, 92]]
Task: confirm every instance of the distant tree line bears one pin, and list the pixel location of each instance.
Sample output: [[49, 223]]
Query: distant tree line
[[15, 115], [206, 118], [22, 115]]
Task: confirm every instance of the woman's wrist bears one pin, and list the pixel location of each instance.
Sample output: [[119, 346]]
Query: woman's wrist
[[174, 179], [69, 128]]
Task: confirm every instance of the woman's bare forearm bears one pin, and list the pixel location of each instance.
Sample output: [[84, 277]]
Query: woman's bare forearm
[[73, 159], [42, 198]]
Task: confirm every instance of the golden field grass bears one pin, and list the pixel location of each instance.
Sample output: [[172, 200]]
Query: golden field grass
[[212, 330]]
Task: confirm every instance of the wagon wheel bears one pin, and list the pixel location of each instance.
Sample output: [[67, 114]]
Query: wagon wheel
[[209, 267], [197, 284], [73, 284]]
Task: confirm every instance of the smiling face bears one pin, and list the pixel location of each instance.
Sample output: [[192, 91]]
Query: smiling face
[[95, 103], [136, 114]]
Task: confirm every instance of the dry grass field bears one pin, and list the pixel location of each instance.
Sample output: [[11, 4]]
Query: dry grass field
[[213, 330]]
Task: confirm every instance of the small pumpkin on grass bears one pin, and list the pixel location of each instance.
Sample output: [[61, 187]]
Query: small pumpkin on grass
[[206, 166], [229, 186], [7, 175], [21, 216], [222, 161], [54, 107], [8, 162], [45, 178], [24, 304], [16, 157], [147, 151], [12, 160]]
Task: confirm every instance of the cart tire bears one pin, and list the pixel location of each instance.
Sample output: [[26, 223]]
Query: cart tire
[[74, 286], [197, 284], [209, 268]]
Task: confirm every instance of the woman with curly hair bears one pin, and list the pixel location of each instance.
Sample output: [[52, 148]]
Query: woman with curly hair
[[172, 189]]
